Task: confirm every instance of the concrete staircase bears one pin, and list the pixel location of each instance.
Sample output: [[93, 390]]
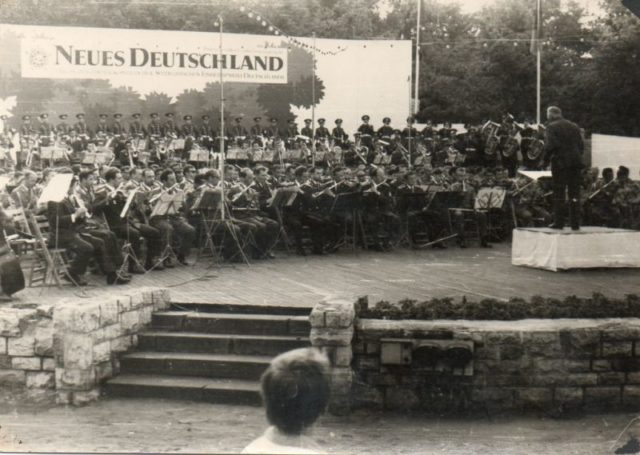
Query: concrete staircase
[[209, 352]]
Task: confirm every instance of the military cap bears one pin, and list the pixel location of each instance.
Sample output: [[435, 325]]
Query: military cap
[[257, 119], [44, 115], [3, 117], [291, 120], [103, 116], [320, 120], [410, 119], [187, 117], [239, 118], [365, 118], [153, 115], [307, 120], [169, 114], [205, 117], [117, 115], [273, 119], [26, 117], [136, 115], [338, 120], [80, 115], [386, 120]]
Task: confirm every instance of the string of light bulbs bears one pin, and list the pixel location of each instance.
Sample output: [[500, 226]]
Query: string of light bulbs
[[278, 32]]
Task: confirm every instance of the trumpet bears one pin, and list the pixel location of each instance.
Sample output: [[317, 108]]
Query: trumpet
[[238, 195]]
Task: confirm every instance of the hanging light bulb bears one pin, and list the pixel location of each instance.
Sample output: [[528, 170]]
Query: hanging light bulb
[[250, 14], [264, 23], [485, 45], [258, 18], [270, 28], [515, 44], [277, 32], [242, 8]]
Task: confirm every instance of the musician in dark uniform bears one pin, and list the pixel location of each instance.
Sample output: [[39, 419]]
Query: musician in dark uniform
[[273, 131], [117, 128], [291, 132], [322, 132], [135, 127], [527, 135], [27, 128], [154, 128], [169, 127], [45, 128], [237, 131], [81, 126], [379, 217], [409, 134], [63, 127], [257, 131], [386, 130], [307, 130], [563, 150], [102, 129], [367, 132], [340, 137]]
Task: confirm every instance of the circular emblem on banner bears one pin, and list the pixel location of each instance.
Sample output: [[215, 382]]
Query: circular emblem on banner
[[37, 57]]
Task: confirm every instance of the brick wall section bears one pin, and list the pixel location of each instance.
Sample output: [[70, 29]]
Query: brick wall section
[[332, 329], [26, 347], [71, 346], [556, 365]]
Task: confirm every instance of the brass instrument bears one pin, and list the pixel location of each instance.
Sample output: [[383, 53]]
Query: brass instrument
[[238, 195], [536, 149]]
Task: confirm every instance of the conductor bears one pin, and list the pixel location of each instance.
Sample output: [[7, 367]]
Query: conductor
[[563, 149]]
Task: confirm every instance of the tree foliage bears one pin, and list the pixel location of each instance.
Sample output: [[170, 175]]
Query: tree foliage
[[471, 68]]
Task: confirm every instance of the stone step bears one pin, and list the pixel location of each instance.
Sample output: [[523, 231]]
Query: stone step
[[240, 309], [219, 343], [227, 366], [225, 391], [222, 323]]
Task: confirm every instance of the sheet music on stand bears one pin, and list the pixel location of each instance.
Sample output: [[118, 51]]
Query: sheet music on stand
[[127, 204], [57, 188], [208, 200], [490, 198], [284, 197], [168, 204]]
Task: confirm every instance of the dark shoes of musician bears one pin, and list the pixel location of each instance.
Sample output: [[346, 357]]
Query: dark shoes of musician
[[168, 263], [439, 245], [136, 268], [555, 226], [182, 260], [74, 279], [153, 264], [461, 242], [269, 255], [114, 278], [5, 297], [575, 228]]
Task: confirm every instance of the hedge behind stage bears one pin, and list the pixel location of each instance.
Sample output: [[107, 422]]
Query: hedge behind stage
[[598, 306]]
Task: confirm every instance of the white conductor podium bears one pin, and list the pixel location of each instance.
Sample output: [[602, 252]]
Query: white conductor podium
[[590, 247]]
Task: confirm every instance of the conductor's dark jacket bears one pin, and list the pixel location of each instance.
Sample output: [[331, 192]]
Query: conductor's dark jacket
[[563, 145]]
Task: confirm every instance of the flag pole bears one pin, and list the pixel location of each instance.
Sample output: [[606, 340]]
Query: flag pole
[[416, 99], [538, 63], [221, 162]]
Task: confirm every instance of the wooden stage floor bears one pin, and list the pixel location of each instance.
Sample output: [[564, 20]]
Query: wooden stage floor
[[303, 281]]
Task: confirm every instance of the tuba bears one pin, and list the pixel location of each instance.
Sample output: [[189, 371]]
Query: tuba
[[535, 149], [511, 147]]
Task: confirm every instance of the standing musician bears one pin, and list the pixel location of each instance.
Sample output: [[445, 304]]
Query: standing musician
[[154, 128], [563, 150], [409, 134], [321, 133], [238, 132], [206, 132], [169, 127], [27, 128], [307, 130], [273, 131], [338, 134], [257, 132], [46, 128], [385, 132], [102, 129], [599, 204], [367, 132], [292, 132], [173, 227], [81, 127], [117, 128], [136, 129], [63, 128]]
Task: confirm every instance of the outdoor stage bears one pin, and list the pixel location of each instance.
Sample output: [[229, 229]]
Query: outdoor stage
[[303, 281]]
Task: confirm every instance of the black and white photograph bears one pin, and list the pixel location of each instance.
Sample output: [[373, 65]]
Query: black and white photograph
[[320, 226]]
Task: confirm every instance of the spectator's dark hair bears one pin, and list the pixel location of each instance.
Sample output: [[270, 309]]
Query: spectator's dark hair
[[111, 174], [244, 172], [295, 389], [623, 171], [199, 179], [607, 170], [300, 170], [260, 169], [188, 168], [212, 173], [165, 175]]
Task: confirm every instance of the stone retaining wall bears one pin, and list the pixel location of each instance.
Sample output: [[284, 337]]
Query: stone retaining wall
[[552, 365], [71, 346]]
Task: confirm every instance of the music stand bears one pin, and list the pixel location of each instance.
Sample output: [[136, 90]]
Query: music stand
[[349, 204], [410, 202], [282, 197], [127, 249], [167, 205]]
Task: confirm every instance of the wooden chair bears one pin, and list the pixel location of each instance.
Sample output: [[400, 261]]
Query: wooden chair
[[49, 263]]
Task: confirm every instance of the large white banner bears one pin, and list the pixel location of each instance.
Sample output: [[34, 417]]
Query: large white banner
[[68, 70], [94, 57], [614, 151]]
